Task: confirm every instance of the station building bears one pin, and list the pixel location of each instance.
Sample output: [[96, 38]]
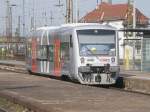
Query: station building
[[121, 17]]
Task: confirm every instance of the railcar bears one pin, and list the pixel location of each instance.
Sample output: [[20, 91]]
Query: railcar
[[87, 53]]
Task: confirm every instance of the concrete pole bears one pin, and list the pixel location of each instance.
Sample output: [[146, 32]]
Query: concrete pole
[[7, 19], [69, 11], [51, 18], [45, 15], [66, 15], [134, 33], [10, 22], [33, 14], [71, 8], [23, 12], [77, 10], [18, 26], [134, 14]]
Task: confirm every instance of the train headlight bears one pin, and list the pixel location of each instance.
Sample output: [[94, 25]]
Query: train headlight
[[82, 60]]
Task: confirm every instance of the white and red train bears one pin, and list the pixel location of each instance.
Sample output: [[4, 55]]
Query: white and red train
[[87, 53]]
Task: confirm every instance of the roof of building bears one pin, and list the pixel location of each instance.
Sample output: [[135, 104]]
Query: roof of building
[[112, 12]]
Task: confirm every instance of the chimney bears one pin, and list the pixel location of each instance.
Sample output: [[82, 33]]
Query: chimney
[[107, 1]]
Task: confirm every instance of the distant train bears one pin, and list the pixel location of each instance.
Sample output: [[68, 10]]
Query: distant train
[[85, 52]]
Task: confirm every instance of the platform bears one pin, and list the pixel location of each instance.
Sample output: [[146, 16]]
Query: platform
[[12, 63], [136, 81]]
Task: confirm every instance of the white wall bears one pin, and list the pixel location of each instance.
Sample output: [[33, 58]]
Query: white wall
[[119, 25]]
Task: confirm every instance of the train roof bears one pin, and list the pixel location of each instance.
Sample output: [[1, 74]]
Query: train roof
[[48, 28], [78, 26], [88, 25]]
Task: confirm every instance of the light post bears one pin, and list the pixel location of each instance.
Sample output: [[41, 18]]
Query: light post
[[9, 25], [69, 11], [23, 12], [134, 26], [11, 19], [10, 50]]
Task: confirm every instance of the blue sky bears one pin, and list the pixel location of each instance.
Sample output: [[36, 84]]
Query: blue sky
[[48, 6]]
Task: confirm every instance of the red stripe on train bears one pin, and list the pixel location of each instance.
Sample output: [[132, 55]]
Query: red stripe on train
[[57, 63], [34, 55]]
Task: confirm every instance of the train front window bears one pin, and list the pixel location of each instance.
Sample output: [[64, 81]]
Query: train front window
[[96, 42]]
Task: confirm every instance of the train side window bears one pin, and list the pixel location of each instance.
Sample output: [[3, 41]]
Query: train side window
[[71, 43], [28, 50], [42, 52], [65, 48], [51, 53]]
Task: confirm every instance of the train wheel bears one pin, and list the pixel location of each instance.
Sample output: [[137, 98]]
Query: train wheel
[[119, 83], [106, 86], [64, 78], [30, 72]]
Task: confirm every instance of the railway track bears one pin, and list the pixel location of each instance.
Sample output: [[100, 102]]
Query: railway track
[[13, 69], [3, 110], [118, 87], [43, 91]]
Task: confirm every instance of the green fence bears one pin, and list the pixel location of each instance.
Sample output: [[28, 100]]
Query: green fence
[[12, 48]]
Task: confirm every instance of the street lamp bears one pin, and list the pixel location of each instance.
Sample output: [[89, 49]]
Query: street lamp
[[11, 18], [23, 12], [9, 24]]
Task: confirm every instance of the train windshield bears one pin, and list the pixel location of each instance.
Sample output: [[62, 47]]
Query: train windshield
[[97, 42]]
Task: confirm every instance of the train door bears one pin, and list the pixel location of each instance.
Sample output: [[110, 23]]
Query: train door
[[28, 54], [71, 55], [43, 53], [51, 53], [65, 54]]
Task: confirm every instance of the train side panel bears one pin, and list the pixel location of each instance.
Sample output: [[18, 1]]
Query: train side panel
[[58, 52]]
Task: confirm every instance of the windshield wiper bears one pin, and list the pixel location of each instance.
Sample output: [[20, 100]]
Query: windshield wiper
[[92, 52]]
